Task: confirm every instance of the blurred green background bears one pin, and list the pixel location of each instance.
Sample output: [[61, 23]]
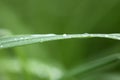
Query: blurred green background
[[49, 61]]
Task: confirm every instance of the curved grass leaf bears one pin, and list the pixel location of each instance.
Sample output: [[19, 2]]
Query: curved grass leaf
[[93, 65], [19, 40]]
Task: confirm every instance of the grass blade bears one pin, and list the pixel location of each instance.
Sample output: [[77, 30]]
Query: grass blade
[[92, 65], [19, 40]]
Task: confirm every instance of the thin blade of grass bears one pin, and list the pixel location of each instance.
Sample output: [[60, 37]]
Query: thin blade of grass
[[20, 40], [92, 65]]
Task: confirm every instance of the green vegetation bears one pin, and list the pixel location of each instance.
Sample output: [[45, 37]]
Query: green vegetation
[[36, 40]]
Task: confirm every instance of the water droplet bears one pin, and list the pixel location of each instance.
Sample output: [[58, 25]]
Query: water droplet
[[64, 35], [43, 35], [50, 34], [106, 36], [85, 33]]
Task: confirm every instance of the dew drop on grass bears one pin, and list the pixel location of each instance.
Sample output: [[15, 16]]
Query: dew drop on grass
[[85, 33], [106, 36], [50, 34], [64, 35]]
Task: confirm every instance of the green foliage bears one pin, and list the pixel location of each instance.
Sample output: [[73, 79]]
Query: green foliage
[[24, 22]]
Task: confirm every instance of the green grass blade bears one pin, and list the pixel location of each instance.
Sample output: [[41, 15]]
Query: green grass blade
[[19, 40], [92, 65]]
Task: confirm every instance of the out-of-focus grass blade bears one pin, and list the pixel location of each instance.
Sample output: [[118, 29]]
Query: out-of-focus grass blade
[[19, 40], [92, 65], [34, 67]]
